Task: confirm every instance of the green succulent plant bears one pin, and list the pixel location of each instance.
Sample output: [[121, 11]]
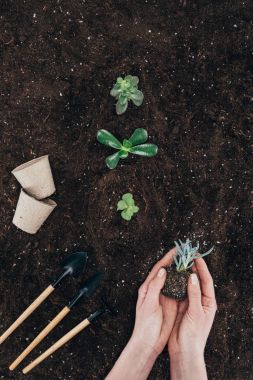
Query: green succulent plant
[[124, 90], [135, 144], [127, 206], [186, 253]]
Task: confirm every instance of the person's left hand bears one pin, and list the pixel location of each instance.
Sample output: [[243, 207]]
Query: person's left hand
[[155, 313], [155, 317]]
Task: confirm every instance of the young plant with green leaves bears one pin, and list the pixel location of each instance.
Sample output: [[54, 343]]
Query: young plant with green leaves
[[135, 145], [125, 90], [186, 254], [179, 274], [127, 206]]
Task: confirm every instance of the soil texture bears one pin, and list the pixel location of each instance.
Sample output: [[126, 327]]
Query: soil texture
[[176, 283], [59, 60]]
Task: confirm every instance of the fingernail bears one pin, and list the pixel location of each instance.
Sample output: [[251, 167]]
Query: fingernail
[[161, 272], [194, 279]]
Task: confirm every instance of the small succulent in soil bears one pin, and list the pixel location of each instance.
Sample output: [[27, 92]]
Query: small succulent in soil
[[124, 90], [127, 206], [180, 271], [135, 145]]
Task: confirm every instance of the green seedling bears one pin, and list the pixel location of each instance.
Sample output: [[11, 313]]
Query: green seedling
[[186, 253], [125, 90], [135, 145], [127, 206]]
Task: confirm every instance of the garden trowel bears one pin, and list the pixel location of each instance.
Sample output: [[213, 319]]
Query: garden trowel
[[88, 288], [67, 337], [73, 265]]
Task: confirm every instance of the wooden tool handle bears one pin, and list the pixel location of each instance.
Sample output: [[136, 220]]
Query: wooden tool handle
[[27, 312], [40, 337], [57, 345]]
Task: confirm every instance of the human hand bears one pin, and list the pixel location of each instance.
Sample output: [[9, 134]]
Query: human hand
[[155, 317], [155, 313], [192, 326]]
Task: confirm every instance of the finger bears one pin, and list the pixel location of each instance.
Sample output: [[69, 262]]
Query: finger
[[154, 288], [194, 295], [164, 262], [206, 282], [142, 294]]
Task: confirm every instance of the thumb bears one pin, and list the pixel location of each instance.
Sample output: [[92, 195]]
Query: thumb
[[194, 294], [155, 287]]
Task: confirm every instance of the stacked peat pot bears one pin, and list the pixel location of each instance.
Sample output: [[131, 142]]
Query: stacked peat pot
[[34, 205]]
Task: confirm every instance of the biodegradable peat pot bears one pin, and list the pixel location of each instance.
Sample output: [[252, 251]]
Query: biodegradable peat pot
[[36, 178], [31, 213]]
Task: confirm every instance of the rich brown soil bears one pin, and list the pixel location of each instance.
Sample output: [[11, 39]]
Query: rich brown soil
[[176, 283], [59, 62]]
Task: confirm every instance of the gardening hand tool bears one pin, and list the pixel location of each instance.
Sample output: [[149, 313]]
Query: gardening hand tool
[[73, 265], [67, 337], [87, 290]]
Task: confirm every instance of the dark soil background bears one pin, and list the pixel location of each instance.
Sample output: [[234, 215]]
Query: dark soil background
[[59, 60]]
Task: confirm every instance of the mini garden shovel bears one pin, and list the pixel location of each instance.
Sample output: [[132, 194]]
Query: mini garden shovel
[[73, 265], [87, 290], [67, 337]]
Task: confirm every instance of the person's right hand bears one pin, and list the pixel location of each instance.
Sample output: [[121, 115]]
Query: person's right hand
[[192, 326]]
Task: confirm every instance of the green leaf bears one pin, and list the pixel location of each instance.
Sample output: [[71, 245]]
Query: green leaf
[[139, 136], [129, 78], [121, 205], [106, 138], [130, 202], [115, 92], [119, 80], [137, 97], [123, 154], [135, 209], [127, 144], [126, 216], [113, 160], [206, 253], [122, 99], [120, 109], [135, 80], [128, 198], [147, 150]]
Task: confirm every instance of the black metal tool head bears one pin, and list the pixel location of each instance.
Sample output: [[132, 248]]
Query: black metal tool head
[[73, 265], [87, 289]]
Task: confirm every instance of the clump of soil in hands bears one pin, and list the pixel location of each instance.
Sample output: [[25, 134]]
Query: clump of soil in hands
[[176, 283]]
